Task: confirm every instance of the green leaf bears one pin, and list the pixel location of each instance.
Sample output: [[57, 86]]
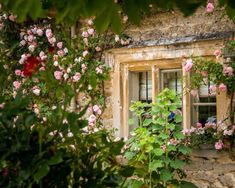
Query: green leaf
[[163, 136], [147, 122], [153, 165], [127, 171], [185, 150], [178, 135], [29, 120], [129, 155], [41, 172], [165, 175], [178, 118], [160, 121], [56, 159], [177, 164], [158, 152]]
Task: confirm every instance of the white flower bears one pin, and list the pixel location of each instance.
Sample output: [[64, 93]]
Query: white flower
[[66, 76], [70, 134], [56, 63], [117, 38], [31, 48]]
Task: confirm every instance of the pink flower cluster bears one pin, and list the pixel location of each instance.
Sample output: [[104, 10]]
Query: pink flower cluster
[[219, 145], [210, 7], [188, 65]]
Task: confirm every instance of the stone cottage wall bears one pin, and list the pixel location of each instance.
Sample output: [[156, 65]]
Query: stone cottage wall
[[212, 169]]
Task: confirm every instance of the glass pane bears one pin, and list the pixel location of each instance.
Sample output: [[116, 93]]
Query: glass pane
[[145, 86], [172, 79]]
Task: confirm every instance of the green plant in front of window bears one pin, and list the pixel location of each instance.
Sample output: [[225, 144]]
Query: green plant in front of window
[[157, 149]]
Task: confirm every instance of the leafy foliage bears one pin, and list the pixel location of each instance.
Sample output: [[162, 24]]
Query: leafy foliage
[[157, 149]]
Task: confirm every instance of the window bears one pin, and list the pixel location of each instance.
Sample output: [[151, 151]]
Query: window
[[204, 106], [162, 66], [172, 79]]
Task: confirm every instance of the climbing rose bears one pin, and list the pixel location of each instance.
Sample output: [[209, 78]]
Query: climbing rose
[[85, 53], [212, 88], [188, 65], [60, 45], [58, 75], [18, 72], [219, 145], [217, 53], [210, 7], [76, 77], [90, 31], [222, 87], [228, 71], [199, 125], [39, 32], [16, 84], [36, 90], [96, 109], [228, 132]]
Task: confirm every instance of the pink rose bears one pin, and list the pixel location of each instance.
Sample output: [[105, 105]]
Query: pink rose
[[228, 132], [186, 132], [194, 92], [58, 75], [212, 88], [222, 87], [85, 53], [228, 71], [52, 40], [60, 53], [219, 145], [16, 85], [76, 77], [97, 109], [85, 34], [49, 33], [36, 90], [39, 32], [60, 45], [42, 69], [91, 120], [199, 125], [18, 72], [99, 70], [30, 38], [188, 65], [90, 31], [210, 7]]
